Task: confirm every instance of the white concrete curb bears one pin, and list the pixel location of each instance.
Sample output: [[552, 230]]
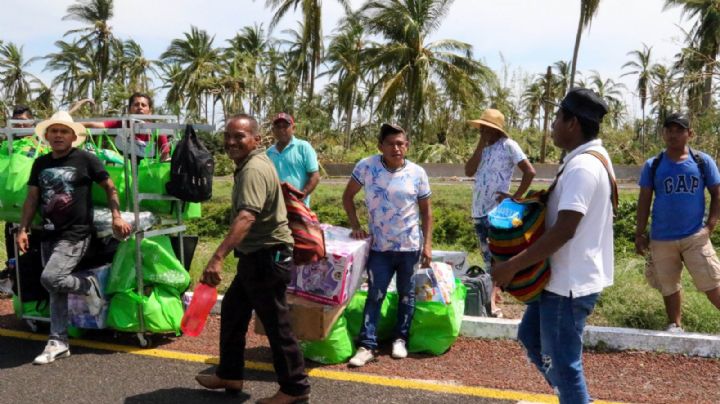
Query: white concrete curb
[[614, 338]]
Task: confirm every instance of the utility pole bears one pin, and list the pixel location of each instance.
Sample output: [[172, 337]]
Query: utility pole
[[547, 97]]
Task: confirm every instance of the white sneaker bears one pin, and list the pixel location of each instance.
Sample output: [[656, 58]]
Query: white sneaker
[[674, 329], [399, 351], [53, 350], [94, 299], [362, 357]]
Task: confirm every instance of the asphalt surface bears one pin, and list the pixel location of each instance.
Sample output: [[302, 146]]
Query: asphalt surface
[[98, 376]]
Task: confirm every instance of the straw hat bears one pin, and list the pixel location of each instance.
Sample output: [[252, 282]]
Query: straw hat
[[491, 118], [62, 118]]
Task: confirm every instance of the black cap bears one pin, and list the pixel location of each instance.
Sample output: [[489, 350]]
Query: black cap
[[390, 129], [21, 109], [678, 118], [585, 103]]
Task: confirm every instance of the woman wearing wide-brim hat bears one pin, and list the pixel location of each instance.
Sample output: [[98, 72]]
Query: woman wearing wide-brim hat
[[492, 165]]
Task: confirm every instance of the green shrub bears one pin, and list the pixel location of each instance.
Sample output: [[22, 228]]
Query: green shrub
[[214, 223]]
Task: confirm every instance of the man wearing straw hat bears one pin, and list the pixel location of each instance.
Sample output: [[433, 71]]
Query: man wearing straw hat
[[492, 165], [59, 185]]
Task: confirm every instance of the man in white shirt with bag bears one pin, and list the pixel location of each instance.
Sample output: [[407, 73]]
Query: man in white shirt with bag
[[579, 242]]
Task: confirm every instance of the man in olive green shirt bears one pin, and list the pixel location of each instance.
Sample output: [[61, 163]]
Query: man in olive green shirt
[[262, 241]]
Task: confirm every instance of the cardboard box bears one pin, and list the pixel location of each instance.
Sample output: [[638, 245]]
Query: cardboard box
[[335, 279], [310, 321], [456, 259]]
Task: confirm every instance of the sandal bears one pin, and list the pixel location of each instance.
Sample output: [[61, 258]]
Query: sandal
[[497, 313]]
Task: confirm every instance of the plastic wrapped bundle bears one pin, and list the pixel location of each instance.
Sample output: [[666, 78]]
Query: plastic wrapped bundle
[[102, 219]]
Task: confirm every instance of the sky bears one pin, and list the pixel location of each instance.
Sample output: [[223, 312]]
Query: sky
[[517, 36]]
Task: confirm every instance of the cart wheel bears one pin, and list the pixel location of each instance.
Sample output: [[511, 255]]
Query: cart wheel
[[143, 341], [32, 324]]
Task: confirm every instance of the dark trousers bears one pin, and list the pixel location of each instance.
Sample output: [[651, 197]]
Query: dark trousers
[[260, 285]]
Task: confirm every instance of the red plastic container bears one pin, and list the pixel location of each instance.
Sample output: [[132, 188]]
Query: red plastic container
[[203, 300]]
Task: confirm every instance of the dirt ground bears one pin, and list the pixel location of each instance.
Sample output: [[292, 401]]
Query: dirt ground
[[620, 376]]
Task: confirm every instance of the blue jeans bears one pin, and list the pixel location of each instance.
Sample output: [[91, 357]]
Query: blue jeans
[[551, 332], [381, 267], [57, 278], [482, 228]]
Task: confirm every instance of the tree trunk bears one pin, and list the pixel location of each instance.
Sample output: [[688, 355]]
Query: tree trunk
[[707, 88], [311, 89], [348, 123], [642, 130], [578, 36], [548, 95]]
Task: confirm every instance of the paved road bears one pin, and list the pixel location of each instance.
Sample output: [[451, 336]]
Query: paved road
[[98, 376]]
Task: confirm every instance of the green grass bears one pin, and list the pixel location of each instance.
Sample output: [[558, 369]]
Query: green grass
[[630, 302]]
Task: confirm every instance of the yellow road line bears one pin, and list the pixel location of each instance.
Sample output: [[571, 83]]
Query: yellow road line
[[365, 378]]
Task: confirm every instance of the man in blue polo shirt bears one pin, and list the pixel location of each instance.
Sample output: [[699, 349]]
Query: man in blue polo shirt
[[294, 159]]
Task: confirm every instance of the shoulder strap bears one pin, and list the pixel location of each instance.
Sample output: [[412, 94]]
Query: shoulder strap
[[699, 160], [654, 166], [613, 183]]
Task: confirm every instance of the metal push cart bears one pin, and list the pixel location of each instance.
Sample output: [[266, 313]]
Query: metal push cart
[[131, 125]]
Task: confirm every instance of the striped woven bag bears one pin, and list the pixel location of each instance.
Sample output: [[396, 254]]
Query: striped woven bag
[[305, 228], [527, 284]]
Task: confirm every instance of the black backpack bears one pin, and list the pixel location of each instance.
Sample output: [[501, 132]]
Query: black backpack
[[191, 169], [479, 286], [699, 160]]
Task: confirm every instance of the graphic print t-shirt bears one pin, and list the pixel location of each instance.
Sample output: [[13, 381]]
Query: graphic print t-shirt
[[679, 205], [65, 197], [392, 199]]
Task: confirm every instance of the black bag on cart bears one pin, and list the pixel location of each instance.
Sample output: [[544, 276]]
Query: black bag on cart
[[191, 169], [31, 268]]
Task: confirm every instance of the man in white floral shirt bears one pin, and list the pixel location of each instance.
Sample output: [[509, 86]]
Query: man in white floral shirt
[[397, 195], [492, 165]]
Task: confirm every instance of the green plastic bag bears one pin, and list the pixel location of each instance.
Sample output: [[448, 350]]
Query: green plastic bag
[[114, 165], [436, 326], [152, 177], [388, 315], [162, 311], [337, 347], [34, 308], [13, 186], [160, 266], [104, 148], [117, 175]]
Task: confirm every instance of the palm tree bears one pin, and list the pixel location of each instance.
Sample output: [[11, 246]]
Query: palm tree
[[588, 10], [96, 37], [704, 36], [409, 65], [200, 63], [345, 59], [138, 68], [532, 99], [76, 71], [172, 75], [311, 34], [562, 78], [691, 63], [663, 92], [612, 92], [246, 58], [641, 67], [14, 77], [298, 57]]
